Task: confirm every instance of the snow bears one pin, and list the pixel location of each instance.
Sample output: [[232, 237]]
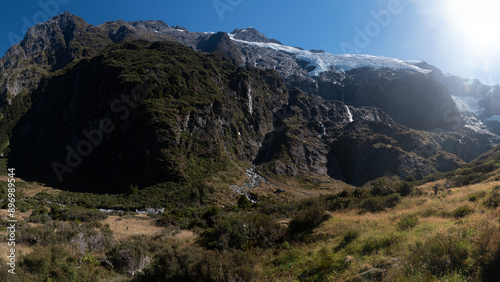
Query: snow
[[325, 61], [414, 62]]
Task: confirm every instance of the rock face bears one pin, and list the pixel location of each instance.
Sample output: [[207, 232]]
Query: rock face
[[409, 97], [196, 113], [317, 137]]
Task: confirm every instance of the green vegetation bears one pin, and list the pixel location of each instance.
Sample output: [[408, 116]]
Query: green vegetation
[[408, 222], [372, 232]]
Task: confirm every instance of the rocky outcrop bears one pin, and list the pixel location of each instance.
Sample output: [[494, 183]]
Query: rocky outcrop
[[368, 150], [221, 42]]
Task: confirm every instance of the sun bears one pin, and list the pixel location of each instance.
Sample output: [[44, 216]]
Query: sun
[[476, 21]]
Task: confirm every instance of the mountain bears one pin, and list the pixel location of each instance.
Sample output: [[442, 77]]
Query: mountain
[[195, 114], [215, 102]]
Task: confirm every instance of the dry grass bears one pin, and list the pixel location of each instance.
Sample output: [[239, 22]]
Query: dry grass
[[435, 215], [125, 227]]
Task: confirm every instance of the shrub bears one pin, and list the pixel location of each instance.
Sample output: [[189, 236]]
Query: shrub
[[411, 178], [382, 187], [305, 221], [405, 188], [429, 212], [392, 200], [244, 202], [442, 254], [494, 200], [243, 231], [72, 213], [193, 263], [376, 204], [339, 202], [407, 222], [56, 264], [462, 211], [128, 257], [39, 216]]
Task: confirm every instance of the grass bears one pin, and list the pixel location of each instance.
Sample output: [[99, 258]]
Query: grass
[[124, 227], [458, 235], [371, 240]]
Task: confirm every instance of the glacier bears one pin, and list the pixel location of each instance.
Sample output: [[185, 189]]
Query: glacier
[[325, 61]]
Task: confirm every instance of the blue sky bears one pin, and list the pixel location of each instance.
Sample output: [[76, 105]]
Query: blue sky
[[445, 33]]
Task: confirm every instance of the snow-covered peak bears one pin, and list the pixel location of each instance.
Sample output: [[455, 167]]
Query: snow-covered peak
[[251, 35], [325, 61]]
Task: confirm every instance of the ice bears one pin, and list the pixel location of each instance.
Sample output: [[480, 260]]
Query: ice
[[325, 61], [468, 105]]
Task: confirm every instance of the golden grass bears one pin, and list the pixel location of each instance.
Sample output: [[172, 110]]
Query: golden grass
[[434, 216], [125, 227]]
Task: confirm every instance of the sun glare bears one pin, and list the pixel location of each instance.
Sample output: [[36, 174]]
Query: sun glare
[[476, 21]]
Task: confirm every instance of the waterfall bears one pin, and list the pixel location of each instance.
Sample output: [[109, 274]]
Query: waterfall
[[323, 130], [349, 114], [250, 102]]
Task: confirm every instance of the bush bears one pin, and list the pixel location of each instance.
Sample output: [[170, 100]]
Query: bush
[[57, 264], [376, 204], [244, 202], [305, 221], [128, 257], [193, 263], [39, 216], [462, 211], [407, 222], [494, 200], [339, 202], [72, 213], [443, 254], [411, 178], [405, 188], [382, 187], [243, 231]]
